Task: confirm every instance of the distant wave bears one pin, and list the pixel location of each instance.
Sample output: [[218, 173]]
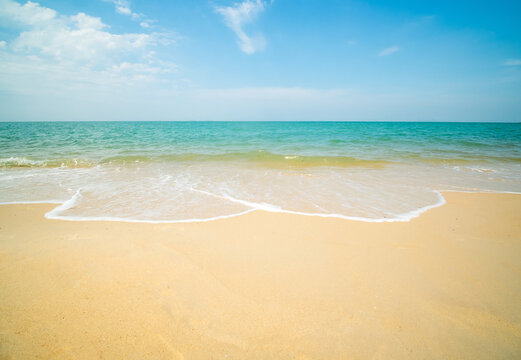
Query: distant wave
[[24, 162], [261, 158], [264, 158]]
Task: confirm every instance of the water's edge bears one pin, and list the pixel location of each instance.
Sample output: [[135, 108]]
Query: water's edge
[[54, 214]]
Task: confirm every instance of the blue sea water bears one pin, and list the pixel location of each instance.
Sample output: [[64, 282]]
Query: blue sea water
[[94, 142], [185, 171]]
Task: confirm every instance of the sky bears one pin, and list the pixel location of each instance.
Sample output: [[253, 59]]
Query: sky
[[277, 60]]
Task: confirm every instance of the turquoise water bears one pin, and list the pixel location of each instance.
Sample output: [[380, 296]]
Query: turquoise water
[[98, 142], [181, 171]]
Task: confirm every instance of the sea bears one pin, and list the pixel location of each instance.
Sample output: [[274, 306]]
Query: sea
[[202, 171]]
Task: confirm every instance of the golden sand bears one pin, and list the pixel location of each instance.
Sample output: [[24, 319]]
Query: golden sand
[[446, 285]]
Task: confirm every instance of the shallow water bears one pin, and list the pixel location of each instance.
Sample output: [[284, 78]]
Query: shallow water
[[185, 171]]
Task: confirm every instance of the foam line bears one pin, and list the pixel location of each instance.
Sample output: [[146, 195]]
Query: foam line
[[65, 206], [118, 219], [271, 208], [254, 206], [55, 213]]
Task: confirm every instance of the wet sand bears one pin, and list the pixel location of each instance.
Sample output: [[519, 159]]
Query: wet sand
[[446, 285]]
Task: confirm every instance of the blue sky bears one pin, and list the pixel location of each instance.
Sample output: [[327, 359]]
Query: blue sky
[[260, 60]]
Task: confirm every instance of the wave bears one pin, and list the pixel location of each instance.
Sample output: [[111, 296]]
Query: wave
[[24, 162], [461, 160], [276, 209], [57, 212], [260, 158]]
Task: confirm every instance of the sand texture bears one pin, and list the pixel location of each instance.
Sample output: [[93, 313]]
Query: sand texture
[[446, 285]]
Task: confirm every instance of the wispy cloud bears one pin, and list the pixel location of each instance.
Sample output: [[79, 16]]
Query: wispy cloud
[[240, 14], [388, 51], [351, 42], [512, 62], [123, 7]]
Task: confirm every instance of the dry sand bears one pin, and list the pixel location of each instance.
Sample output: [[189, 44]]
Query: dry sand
[[446, 285]]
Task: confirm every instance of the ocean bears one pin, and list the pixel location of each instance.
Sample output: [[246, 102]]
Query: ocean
[[201, 171]]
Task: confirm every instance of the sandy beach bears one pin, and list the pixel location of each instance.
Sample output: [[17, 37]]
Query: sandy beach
[[260, 179], [446, 285]]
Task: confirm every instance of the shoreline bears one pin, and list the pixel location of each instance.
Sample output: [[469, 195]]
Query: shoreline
[[406, 217], [265, 285]]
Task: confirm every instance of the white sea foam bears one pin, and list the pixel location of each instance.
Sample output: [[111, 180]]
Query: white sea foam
[[400, 218], [179, 172], [20, 161], [157, 193], [475, 169], [252, 205], [121, 219], [56, 212]]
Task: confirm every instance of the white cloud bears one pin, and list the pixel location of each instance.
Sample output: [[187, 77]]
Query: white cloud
[[123, 10], [123, 7], [240, 14], [83, 21], [54, 50], [512, 62], [88, 46], [30, 14], [388, 51]]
